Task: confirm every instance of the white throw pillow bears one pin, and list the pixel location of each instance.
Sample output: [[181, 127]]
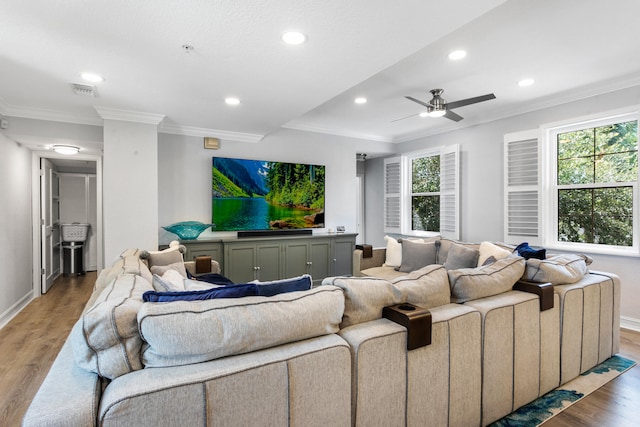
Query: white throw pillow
[[394, 252], [488, 249]]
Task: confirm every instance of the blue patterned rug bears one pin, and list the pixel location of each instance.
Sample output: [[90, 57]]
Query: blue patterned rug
[[556, 401]]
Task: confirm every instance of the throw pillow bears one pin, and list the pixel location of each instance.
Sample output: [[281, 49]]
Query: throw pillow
[[170, 281], [480, 282], [460, 256], [558, 270], [167, 256], [275, 287], [394, 252], [213, 278], [231, 291], [417, 255], [160, 270], [527, 252], [488, 249]]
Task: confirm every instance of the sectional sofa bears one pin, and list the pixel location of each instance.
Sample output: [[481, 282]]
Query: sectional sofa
[[326, 355]]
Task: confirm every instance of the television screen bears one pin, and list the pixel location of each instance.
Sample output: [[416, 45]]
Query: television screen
[[264, 195]]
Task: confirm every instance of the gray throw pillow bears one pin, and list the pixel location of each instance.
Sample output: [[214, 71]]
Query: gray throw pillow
[[461, 257], [417, 255]]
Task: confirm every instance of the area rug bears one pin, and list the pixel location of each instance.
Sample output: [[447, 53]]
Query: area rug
[[556, 401]]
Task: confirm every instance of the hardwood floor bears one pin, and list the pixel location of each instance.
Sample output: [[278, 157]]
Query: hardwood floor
[[31, 341]]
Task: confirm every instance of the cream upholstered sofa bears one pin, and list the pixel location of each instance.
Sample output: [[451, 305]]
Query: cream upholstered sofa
[[513, 351], [324, 356]]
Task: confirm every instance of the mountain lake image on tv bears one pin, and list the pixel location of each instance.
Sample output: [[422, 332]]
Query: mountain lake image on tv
[[264, 195]]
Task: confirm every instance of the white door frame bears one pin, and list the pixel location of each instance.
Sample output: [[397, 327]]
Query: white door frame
[[36, 209]]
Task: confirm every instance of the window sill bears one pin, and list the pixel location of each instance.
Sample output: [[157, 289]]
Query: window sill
[[594, 249]]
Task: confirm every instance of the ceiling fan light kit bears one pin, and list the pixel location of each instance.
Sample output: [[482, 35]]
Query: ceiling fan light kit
[[439, 107]]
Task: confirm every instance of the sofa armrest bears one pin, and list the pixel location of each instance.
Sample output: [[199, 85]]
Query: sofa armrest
[[191, 266], [416, 319], [543, 290], [360, 263], [68, 396]]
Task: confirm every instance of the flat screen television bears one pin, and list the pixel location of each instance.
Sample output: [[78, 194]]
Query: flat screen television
[[265, 195]]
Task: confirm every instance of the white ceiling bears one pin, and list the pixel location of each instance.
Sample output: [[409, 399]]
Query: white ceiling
[[372, 48]]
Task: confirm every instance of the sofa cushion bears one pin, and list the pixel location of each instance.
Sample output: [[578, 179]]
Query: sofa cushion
[[171, 255], [460, 256], [488, 249], [128, 263], [382, 272], [558, 270], [416, 255], [365, 297], [105, 340], [474, 283], [186, 332]]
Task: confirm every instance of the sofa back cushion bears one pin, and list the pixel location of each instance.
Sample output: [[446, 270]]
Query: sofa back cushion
[[558, 270], [416, 255], [473, 283], [365, 297], [185, 332], [105, 340]]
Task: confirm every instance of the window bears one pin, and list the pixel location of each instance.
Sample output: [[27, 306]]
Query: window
[[421, 193], [574, 186]]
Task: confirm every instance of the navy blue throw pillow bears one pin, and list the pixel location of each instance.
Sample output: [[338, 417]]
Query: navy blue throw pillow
[[526, 251], [231, 291], [213, 278]]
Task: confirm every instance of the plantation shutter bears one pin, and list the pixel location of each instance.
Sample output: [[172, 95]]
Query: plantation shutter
[[392, 192], [522, 188], [449, 192]]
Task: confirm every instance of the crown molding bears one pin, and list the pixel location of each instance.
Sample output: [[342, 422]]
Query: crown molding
[[337, 132], [214, 133], [44, 114], [129, 116]]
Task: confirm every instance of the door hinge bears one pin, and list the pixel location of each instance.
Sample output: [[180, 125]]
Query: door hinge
[[42, 271]]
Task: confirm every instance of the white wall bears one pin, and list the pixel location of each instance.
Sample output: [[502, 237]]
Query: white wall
[[185, 172], [15, 228], [481, 181], [130, 187]]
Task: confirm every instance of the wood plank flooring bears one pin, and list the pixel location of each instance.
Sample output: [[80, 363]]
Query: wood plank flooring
[[31, 341]]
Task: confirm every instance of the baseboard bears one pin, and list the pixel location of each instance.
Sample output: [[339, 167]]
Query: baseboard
[[630, 323], [16, 308]]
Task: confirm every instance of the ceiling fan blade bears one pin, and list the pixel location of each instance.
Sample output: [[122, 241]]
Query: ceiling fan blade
[[410, 98], [452, 116], [402, 118], [468, 101]]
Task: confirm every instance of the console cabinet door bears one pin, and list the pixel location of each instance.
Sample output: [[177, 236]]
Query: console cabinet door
[[268, 261], [240, 262], [320, 259], [343, 256], [296, 258]]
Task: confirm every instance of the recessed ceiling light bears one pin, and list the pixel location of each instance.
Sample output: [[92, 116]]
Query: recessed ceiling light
[[92, 77], [232, 101], [66, 149], [294, 37], [360, 100], [457, 54], [526, 82]]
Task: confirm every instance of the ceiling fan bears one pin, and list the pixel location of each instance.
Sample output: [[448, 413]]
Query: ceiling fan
[[439, 107]]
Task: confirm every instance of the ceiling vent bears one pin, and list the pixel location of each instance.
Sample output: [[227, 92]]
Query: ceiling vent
[[86, 90]]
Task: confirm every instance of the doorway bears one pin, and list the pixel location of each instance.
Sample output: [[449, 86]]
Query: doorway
[[64, 191]]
